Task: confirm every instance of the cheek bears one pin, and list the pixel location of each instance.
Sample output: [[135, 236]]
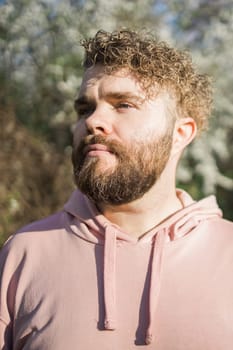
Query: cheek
[[79, 132], [148, 127], [143, 134]]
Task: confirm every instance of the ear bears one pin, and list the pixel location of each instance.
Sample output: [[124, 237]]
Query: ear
[[185, 130]]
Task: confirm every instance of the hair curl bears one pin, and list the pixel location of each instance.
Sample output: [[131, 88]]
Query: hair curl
[[153, 62]]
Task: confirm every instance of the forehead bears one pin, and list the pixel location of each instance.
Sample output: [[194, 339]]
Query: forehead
[[96, 78]]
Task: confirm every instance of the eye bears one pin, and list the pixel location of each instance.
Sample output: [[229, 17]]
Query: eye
[[123, 105], [84, 111]]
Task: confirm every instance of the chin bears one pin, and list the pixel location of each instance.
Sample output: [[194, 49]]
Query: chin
[[104, 164]]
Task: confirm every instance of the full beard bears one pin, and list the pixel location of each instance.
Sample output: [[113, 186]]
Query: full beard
[[136, 171]]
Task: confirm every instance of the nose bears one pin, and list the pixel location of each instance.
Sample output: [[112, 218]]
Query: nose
[[99, 123]]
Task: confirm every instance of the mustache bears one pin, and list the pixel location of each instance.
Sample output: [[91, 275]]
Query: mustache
[[113, 146], [78, 152]]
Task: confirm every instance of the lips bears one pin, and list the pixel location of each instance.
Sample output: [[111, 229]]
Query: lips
[[95, 149]]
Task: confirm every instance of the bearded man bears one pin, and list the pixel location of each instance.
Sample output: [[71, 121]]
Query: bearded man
[[131, 261]]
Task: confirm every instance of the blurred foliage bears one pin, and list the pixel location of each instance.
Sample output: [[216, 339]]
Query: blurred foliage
[[35, 178], [40, 73]]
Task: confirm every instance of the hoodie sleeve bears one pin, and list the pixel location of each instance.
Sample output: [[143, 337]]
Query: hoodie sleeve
[[7, 293]]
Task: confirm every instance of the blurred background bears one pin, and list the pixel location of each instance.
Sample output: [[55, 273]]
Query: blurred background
[[40, 73]]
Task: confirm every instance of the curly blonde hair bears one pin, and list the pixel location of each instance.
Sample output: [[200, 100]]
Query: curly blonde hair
[[153, 63]]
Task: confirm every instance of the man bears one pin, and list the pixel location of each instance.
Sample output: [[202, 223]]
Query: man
[[130, 262]]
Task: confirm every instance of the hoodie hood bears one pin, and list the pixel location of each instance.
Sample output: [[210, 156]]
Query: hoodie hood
[[88, 223]]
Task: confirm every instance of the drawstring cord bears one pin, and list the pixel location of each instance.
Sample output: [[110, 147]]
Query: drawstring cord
[[110, 282], [155, 280], [109, 279]]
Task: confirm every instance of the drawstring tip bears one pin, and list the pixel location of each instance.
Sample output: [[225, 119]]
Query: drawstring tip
[[110, 325], [148, 339]]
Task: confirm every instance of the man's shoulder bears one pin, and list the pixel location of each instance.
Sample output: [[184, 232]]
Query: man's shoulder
[[52, 222], [37, 232], [219, 230], [223, 224]]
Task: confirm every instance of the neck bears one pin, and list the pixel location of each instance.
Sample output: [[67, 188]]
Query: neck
[[140, 216]]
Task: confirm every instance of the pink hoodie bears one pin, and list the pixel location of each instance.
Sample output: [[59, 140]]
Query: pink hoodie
[[76, 281]]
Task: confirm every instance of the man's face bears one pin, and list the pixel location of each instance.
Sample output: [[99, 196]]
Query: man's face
[[122, 141]]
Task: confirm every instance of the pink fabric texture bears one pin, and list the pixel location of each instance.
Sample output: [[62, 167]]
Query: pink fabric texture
[[76, 281]]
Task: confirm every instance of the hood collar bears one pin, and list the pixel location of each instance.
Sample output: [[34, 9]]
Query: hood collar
[[82, 211]]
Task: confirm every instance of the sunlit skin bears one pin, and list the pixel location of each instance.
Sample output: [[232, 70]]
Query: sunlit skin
[[116, 107]]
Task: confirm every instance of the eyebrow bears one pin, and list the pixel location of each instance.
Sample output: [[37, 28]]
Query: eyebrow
[[124, 95], [118, 96]]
